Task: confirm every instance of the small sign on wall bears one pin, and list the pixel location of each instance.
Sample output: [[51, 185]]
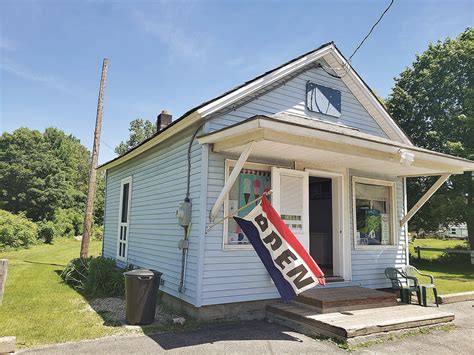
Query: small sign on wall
[[385, 228], [323, 99]]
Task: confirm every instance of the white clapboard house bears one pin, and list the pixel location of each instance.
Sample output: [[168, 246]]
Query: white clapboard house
[[311, 131]]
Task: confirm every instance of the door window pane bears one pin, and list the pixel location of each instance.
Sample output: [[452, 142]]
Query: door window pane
[[125, 193]]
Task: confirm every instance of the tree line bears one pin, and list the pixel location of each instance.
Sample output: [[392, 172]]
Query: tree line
[[43, 178]]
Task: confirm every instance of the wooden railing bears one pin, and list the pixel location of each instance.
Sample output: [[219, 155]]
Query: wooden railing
[[449, 251]]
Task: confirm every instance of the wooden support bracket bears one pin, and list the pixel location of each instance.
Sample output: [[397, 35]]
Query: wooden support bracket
[[230, 181], [441, 180]]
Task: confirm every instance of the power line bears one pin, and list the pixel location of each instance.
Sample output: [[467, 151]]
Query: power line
[[368, 34], [107, 145]]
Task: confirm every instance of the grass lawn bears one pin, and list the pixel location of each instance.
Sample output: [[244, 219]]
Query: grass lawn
[[450, 277], [37, 307]]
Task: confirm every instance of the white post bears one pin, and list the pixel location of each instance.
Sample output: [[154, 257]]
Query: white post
[[230, 181], [3, 277]]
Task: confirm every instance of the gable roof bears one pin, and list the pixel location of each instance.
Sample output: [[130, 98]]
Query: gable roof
[[327, 51]]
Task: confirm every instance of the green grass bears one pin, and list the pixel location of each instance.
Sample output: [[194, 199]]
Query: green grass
[[452, 275], [433, 243], [38, 308]]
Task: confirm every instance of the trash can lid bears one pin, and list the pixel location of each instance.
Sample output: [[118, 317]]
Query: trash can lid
[[139, 273]]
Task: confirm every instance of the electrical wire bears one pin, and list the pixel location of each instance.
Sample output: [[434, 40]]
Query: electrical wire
[[107, 145], [368, 34], [323, 67]]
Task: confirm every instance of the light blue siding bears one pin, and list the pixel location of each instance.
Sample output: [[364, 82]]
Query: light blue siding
[[368, 265], [230, 275], [158, 186], [290, 98], [214, 275], [236, 276]]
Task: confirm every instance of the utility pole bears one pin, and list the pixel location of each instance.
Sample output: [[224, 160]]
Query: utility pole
[[86, 236]]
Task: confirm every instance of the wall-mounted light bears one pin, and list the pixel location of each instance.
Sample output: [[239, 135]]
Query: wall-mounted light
[[406, 158]]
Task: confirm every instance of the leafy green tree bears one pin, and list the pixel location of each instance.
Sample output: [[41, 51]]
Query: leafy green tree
[[139, 131], [41, 173], [433, 101]]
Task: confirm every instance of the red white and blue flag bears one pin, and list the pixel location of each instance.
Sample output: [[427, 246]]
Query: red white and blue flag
[[290, 266]]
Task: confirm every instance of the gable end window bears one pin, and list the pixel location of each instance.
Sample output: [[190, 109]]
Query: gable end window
[[374, 212], [124, 218], [322, 99]]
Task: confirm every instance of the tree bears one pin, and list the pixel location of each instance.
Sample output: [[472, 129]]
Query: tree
[[139, 131], [41, 173], [433, 101]]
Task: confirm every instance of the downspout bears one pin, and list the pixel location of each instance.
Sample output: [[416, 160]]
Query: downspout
[[105, 210], [184, 214], [405, 209]]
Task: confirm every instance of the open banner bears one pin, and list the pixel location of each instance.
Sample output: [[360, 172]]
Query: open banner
[[290, 266]]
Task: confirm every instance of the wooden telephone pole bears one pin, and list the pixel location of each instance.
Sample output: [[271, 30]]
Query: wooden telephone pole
[[86, 236]]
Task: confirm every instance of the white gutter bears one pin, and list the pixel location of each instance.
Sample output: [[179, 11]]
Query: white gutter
[[177, 127]]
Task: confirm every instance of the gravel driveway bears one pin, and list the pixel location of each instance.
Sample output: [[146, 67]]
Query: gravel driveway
[[261, 338]]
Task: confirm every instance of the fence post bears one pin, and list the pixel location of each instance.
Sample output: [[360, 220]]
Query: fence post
[[417, 249], [3, 277]]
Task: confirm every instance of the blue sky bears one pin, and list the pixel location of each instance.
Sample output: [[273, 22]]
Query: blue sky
[[174, 55]]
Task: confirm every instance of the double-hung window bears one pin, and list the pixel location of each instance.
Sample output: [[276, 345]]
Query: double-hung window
[[374, 211], [124, 218]]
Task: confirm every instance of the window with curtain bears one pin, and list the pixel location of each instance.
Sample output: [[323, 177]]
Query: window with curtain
[[250, 185], [373, 213]]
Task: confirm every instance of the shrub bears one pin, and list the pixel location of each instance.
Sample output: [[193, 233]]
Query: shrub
[[104, 279], [95, 276], [47, 231], [97, 232], [76, 272], [16, 231], [69, 222]]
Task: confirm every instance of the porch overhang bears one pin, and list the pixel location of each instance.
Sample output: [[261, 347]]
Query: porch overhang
[[331, 146]]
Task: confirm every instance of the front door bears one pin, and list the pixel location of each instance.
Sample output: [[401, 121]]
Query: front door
[[321, 222], [290, 200]]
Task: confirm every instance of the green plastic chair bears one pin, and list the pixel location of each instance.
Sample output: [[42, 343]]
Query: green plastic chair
[[403, 283], [413, 272]]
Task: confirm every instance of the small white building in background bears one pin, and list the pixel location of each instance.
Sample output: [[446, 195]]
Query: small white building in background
[[455, 231], [310, 130]]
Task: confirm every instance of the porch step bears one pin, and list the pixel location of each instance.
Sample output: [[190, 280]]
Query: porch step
[[327, 300], [359, 325], [331, 279], [339, 284]]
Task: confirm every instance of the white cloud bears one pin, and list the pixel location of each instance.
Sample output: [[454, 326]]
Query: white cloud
[[7, 44], [26, 74], [167, 26]]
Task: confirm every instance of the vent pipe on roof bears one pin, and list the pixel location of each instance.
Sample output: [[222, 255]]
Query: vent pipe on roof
[[163, 120]]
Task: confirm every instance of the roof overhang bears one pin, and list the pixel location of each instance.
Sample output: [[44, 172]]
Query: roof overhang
[[338, 63], [327, 52], [332, 147], [174, 128]]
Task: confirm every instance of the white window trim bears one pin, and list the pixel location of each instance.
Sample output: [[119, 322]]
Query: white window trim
[[393, 205], [127, 180], [228, 164]]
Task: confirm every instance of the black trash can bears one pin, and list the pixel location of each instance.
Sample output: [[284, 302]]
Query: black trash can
[[141, 292]]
